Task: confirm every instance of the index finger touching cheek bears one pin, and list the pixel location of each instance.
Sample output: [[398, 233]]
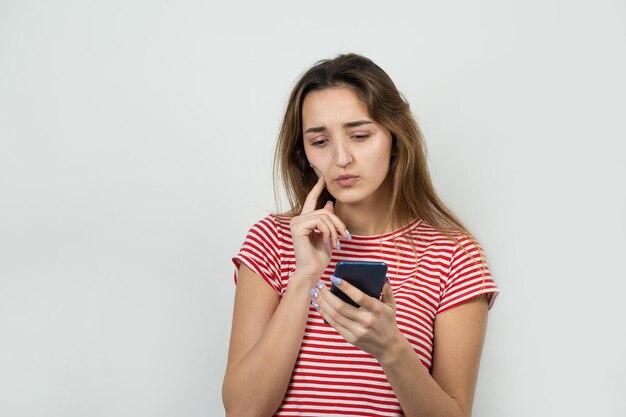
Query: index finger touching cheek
[[311, 200]]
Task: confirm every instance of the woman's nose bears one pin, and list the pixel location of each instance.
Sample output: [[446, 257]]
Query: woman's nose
[[343, 156]]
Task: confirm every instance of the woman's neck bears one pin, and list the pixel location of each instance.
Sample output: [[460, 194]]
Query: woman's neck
[[367, 218], [365, 224]]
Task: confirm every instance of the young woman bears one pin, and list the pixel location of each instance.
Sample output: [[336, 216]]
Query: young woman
[[352, 160]]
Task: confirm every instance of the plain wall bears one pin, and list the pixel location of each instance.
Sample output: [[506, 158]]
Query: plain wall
[[136, 141]]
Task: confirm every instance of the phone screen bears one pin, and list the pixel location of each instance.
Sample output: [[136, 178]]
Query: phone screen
[[369, 277]]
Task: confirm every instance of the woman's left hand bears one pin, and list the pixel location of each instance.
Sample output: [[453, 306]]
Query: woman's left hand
[[372, 328]]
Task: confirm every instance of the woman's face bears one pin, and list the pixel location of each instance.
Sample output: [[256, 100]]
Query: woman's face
[[342, 141]]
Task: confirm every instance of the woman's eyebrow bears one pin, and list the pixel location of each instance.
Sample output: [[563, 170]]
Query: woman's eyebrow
[[357, 123], [345, 125], [315, 129]]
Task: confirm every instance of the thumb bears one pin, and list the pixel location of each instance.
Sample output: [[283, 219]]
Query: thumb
[[387, 297], [330, 206]]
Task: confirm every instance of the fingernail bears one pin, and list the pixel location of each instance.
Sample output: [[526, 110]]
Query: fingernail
[[348, 234], [315, 305], [335, 280], [320, 285], [314, 292], [388, 281], [338, 245]]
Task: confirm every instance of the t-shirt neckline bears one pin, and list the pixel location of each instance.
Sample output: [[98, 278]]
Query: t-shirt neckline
[[389, 235]]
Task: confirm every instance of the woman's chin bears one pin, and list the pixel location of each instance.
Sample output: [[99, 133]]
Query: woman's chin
[[350, 197]]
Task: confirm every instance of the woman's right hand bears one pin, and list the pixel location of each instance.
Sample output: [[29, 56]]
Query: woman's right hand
[[315, 233]]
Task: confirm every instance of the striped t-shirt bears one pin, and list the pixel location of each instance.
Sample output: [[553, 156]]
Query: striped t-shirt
[[333, 377]]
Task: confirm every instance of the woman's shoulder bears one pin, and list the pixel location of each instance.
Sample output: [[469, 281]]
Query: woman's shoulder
[[281, 219], [273, 224], [430, 232], [447, 237]]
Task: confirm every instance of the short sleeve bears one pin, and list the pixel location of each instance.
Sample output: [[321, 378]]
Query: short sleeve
[[260, 252], [468, 276]]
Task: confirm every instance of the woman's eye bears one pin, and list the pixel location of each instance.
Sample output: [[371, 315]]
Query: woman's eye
[[319, 142], [361, 137]]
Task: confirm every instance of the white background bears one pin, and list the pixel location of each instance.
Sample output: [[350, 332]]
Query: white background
[[136, 140]]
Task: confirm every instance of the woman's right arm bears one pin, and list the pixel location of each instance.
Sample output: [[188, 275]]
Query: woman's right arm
[[265, 340], [267, 331]]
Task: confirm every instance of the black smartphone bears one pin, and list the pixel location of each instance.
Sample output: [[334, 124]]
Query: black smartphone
[[369, 277]]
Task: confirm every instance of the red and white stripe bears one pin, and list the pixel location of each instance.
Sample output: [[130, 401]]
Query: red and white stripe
[[333, 377]]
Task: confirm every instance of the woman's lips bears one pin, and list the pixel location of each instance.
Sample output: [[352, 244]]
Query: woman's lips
[[346, 180]]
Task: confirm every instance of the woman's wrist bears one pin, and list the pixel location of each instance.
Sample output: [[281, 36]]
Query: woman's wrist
[[302, 281], [395, 352]]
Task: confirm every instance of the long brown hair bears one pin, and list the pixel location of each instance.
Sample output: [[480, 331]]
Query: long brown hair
[[413, 196]]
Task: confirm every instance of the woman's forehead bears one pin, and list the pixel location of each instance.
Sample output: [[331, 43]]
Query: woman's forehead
[[335, 105]]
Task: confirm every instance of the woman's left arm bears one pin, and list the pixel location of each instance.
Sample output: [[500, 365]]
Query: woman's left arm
[[458, 341], [459, 336]]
